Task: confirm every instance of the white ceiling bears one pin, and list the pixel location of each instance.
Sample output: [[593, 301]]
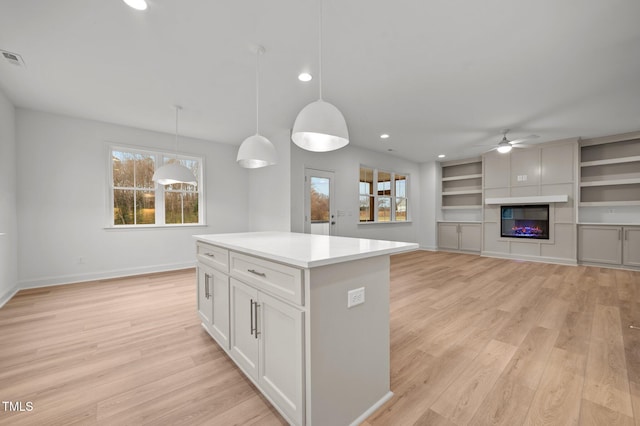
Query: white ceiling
[[440, 76]]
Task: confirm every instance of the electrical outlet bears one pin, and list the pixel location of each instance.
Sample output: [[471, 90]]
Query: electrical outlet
[[355, 297]]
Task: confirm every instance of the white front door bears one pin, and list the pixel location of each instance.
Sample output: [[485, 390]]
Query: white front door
[[319, 209]]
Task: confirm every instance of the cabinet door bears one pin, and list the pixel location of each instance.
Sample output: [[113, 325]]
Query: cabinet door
[[600, 244], [205, 302], [470, 236], [280, 328], [631, 246], [219, 293], [448, 236], [244, 343]]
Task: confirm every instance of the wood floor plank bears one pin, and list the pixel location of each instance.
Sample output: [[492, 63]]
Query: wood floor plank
[[606, 378], [461, 399], [558, 397]]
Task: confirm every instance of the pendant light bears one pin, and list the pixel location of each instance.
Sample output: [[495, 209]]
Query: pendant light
[[256, 151], [320, 126], [174, 172]]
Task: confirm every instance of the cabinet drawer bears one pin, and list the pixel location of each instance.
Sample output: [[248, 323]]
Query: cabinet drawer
[[216, 257], [281, 280]]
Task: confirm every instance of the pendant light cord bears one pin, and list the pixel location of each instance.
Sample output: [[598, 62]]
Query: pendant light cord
[[177, 110], [258, 52], [320, 50]]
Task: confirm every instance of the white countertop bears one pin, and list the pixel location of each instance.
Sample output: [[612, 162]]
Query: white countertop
[[305, 250]]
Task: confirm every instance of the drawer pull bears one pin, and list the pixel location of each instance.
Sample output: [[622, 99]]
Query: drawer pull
[[210, 254], [260, 274]]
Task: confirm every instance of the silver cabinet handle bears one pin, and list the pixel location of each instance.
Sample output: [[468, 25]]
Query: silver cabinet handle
[[260, 274], [255, 315], [251, 313], [206, 286], [626, 234], [619, 234], [210, 254]]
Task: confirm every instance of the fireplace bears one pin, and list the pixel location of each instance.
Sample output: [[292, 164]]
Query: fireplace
[[531, 221]]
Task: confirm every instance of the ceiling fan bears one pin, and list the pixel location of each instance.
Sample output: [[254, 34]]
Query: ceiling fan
[[505, 144]]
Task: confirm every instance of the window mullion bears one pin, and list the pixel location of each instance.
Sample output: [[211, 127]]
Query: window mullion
[[375, 195], [392, 191]]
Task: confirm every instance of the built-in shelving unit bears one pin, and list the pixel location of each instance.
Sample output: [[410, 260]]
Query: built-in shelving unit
[[462, 184], [610, 171]]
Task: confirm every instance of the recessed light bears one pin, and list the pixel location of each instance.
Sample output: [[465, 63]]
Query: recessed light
[[441, 156], [305, 76], [384, 136], [136, 4]]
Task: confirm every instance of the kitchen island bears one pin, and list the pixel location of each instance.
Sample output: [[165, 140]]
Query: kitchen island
[[305, 317]]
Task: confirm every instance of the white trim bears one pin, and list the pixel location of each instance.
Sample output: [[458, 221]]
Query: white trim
[[8, 295], [118, 273], [362, 417], [428, 248], [540, 199], [526, 258]]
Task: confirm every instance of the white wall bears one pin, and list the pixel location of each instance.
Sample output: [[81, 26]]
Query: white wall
[[346, 163], [429, 204], [269, 190], [62, 196], [8, 211]]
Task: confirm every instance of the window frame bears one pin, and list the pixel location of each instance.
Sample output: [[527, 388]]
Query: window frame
[[375, 196], [159, 190]]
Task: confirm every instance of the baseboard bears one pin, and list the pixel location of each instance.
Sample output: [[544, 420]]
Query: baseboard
[[372, 409], [428, 248], [540, 259], [118, 273], [8, 295]]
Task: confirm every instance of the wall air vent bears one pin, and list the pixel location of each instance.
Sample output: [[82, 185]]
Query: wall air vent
[[13, 58]]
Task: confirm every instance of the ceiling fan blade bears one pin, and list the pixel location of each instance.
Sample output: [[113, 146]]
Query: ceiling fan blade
[[526, 138]]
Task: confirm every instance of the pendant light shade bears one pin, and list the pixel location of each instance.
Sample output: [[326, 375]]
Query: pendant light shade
[[174, 172], [256, 151], [320, 126]]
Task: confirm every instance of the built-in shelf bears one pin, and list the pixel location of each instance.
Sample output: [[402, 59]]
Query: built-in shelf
[[463, 177], [473, 207], [619, 160], [610, 171], [471, 191], [609, 203], [462, 184], [539, 199], [610, 182]]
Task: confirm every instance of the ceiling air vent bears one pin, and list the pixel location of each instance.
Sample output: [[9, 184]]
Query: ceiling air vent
[[13, 58]]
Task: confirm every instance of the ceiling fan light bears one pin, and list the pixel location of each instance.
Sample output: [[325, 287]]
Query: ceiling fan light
[[256, 151], [136, 4], [320, 127], [503, 148], [174, 173]]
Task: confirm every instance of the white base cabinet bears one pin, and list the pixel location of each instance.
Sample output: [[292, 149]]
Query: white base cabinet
[[213, 303], [460, 236], [609, 245]]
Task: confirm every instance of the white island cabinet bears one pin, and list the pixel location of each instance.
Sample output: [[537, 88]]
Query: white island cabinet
[[305, 317]]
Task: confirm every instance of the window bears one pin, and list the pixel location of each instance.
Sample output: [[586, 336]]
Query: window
[[137, 201], [383, 196]]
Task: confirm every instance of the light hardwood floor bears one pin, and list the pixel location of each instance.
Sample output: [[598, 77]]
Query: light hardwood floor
[[474, 340]]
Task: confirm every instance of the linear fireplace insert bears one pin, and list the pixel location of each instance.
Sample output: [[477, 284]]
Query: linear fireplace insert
[[530, 222]]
